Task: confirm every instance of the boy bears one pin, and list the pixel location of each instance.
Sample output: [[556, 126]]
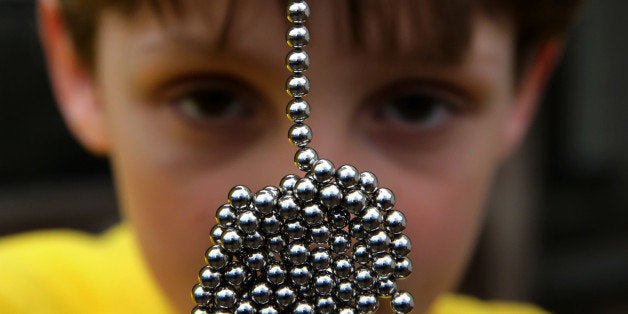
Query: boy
[[185, 98]]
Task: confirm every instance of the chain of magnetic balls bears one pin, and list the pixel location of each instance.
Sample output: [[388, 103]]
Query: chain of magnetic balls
[[329, 242]]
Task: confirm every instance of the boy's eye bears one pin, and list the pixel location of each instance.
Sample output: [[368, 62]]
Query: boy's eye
[[216, 102], [211, 103], [414, 110], [414, 114], [409, 108]]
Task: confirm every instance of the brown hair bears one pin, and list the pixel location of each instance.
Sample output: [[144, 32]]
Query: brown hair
[[448, 20]]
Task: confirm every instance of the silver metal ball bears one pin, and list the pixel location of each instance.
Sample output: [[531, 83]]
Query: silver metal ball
[[330, 195], [285, 296], [297, 61], [371, 218], [253, 241], [231, 240], [275, 191], [402, 302], [286, 185], [383, 264], [324, 284], [276, 243], [368, 182], [306, 292], [300, 134], [312, 215], [320, 259], [395, 222], [226, 215], [361, 253], [200, 294], [268, 310], [300, 275], [248, 221], [355, 201], [343, 268], [357, 230], [346, 310], [297, 85], [255, 260], [298, 11], [304, 158], [401, 245], [298, 253], [403, 267], [347, 176], [320, 234], [303, 308], [295, 230], [288, 207], [345, 291], [240, 197], [264, 201], [385, 287], [271, 225], [384, 198], [236, 275], [338, 217], [216, 233], [225, 298], [323, 170], [209, 278], [325, 305], [216, 257], [261, 293], [364, 278], [367, 303], [379, 242], [298, 36], [245, 307], [276, 274], [340, 242], [305, 190]]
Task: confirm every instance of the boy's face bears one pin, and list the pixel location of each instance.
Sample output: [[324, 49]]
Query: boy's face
[[183, 123]]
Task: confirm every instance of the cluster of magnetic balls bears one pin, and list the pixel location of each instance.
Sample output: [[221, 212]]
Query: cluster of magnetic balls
[[330, 242]]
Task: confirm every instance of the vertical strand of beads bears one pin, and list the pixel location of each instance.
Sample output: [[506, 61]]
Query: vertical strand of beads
[[298, 85]]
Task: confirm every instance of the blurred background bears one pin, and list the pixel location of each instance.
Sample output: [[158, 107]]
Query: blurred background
[[557, 230]]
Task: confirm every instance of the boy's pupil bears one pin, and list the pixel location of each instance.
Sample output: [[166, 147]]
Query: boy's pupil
[[412, 108], [215, 102]]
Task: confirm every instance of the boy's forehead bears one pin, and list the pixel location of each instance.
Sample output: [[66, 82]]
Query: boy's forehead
[[436, 31]]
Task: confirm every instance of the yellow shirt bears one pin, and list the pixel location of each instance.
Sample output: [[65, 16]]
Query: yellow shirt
[[74, 272]]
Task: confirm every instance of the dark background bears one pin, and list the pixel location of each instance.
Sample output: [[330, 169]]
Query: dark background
[[557, 231]]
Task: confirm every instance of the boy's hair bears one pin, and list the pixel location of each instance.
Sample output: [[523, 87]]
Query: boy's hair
[[445, 22]]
